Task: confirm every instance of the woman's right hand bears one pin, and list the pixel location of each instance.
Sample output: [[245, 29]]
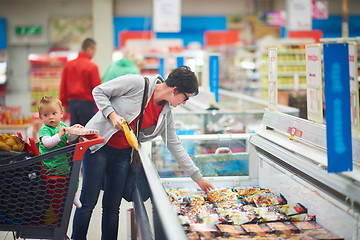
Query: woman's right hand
[[116, 120]]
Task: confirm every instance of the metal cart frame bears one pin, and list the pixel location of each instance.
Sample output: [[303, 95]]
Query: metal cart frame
[[15, 212]]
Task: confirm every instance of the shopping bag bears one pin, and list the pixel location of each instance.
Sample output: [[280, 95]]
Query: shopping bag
[[136, 179]]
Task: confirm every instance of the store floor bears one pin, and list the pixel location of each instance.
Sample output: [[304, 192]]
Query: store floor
[[95, 224]]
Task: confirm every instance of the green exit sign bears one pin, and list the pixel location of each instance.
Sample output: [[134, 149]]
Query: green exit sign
[[28, 30]]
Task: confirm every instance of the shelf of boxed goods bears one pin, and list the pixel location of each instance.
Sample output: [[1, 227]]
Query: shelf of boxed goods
[[238, 72], [45, 76], [151, 65], [291, 66], [13, 120], [291, 70]]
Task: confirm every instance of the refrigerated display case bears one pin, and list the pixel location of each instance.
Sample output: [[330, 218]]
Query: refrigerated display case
[[45, 76], [298, 165], [293, 166], [234, 113]]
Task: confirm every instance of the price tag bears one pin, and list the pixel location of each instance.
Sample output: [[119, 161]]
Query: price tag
[[354, 86], [314, 83], [272, 79]]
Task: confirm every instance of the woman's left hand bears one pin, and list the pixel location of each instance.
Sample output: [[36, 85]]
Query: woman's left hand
[[205, 185]]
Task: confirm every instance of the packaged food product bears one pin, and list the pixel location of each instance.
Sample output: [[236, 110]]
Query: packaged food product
[[11, 143], [256, 228], [230, 230], [322, 233], [223, 195], [306, 225], [290, 209], [237, 217], [81, 131], [265, 201], [192, 236], [282, 227], [302, 217], [265, 215]]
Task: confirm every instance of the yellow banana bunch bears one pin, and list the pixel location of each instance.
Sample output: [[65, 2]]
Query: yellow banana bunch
[[130, 136], [11, 143]]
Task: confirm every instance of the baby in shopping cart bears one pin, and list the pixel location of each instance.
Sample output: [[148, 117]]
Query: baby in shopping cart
[[52, 135]]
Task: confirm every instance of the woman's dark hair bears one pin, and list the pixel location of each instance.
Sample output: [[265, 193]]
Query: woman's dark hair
[[184, 80]]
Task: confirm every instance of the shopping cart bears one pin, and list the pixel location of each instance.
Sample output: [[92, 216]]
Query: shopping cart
[[36, 199]]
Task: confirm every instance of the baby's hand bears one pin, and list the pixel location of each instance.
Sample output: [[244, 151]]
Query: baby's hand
[[77, 126], [62, 131]]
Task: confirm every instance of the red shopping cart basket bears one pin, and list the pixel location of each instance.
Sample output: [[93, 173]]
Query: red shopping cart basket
[[36, 198]]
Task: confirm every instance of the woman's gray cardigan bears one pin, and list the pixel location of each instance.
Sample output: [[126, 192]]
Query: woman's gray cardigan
[[124, 96]]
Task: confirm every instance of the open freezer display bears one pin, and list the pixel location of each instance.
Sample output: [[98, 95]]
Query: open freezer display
[[298, 166], [214, 154], [273, 201]]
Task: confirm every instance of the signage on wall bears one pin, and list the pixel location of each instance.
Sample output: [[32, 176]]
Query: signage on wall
[[166, 15], [337, 102], [275, 18], [314, 83], [214, 75], [299, 15], [69, 32], [28, 30], [320, 9]]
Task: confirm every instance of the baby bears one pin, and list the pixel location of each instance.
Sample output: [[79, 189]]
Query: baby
[[52, 135]]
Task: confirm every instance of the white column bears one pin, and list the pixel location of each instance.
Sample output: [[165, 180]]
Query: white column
[[102, 14]]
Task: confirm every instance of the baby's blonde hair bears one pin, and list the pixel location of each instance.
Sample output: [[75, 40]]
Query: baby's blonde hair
[[47, 100]]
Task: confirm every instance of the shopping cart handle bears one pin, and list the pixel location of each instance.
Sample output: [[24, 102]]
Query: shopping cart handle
[[81, 147]]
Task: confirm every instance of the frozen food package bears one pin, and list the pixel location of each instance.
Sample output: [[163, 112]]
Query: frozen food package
[[230, 230], [238, 218], [210, 219], [302, 217], [264, 201], [306, 225], [251, 191], [230, 205], [204, 230], [290, 209], [256, 228], [223, 195], [322, 234], [201, 227], [281, 227], [192, 236], [268, 216]]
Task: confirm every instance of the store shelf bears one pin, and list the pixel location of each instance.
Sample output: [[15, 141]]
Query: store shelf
[[45, 76]]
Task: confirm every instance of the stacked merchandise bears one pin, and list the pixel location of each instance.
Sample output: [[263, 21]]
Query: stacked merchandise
[[45, 76], [244, 213], [13, 116]]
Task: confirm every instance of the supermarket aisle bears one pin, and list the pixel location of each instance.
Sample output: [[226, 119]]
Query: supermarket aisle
[[95, 224]]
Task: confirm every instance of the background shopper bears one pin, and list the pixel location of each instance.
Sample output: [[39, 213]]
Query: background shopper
[[79, 78]]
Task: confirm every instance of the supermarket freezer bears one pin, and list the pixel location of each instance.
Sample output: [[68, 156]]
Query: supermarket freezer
[[295, 168], [234, 113]]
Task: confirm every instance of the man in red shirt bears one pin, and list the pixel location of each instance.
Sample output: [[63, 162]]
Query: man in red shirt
[[78, 79]]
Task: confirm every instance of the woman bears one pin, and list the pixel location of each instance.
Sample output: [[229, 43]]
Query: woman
[[118, 100]]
